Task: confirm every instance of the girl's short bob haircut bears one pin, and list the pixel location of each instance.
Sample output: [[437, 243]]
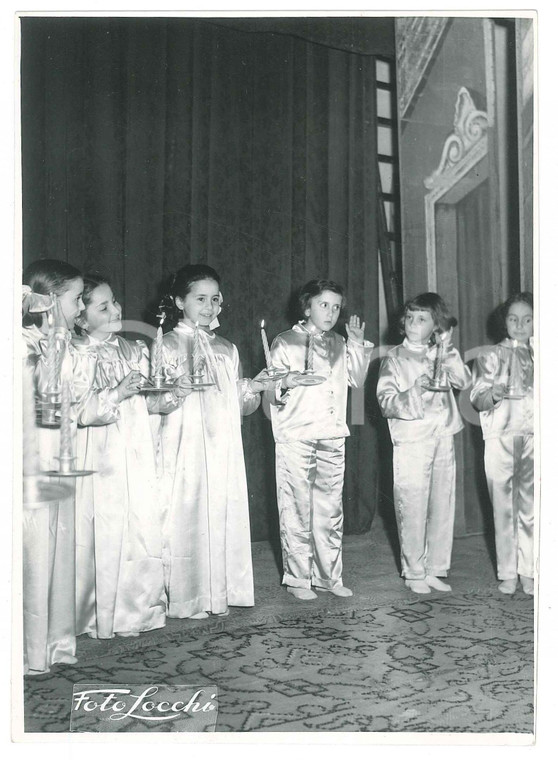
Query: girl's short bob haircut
[[47, 276], [315, 288], [438, 309], [181, 285]]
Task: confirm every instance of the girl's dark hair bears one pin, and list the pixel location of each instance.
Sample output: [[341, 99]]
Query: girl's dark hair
[[91, 280], [181, 285], [315, 288], [437, 307], [47, 276], [525, 297]]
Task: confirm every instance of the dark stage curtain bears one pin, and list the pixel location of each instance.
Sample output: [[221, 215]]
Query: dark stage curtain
[[151, 143]]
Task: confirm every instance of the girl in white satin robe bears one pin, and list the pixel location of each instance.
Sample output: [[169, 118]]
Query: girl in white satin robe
[[422, 425], [507, 426], [309, 427], [48, 527], [202, 484], [119, 565]]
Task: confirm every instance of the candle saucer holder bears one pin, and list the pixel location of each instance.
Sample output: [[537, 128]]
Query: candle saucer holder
[[156, 385], [439, 385], [513, 393], [309, 377], [197, 382], [67, 470], [275, 373], [38, 492]]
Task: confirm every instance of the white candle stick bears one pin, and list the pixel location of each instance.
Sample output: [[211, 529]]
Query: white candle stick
[[265, 344], [66, 458], [197, 358], [310, 357]]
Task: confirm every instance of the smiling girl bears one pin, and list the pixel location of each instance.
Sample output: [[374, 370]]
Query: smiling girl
[[422, 425], [119, 566], [202, 479], [507, 426], [309, 426]]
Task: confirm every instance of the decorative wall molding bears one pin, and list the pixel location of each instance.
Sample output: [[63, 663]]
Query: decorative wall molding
[[469, 129], [465, 149], [416, 42]]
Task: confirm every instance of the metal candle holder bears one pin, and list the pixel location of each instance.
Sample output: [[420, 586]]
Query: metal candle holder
[[440, 380], [66, 459]]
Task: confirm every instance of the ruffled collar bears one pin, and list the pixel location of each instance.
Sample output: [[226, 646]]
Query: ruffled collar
[[301, 327], [182, 327]]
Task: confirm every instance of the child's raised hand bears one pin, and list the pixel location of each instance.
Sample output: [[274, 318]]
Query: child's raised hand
[[130, 385], [354, 329], [498, 390], [422, 382]]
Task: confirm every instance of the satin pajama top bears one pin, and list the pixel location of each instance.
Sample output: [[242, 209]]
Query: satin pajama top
[[513, 416], [317, 412], [412, 415]]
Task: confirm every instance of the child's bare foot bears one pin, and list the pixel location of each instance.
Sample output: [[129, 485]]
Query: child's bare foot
[[419, 587], [527, 584], [508, 587], [437, 584]]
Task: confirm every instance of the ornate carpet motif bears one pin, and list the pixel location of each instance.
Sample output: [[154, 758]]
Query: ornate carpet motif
[[459, 663]]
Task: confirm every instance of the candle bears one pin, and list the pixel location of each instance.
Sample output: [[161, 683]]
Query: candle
[[157, 354], [310, 357], [197, 358], [265, 346], [52, 364], [513, 371], [66, 457]]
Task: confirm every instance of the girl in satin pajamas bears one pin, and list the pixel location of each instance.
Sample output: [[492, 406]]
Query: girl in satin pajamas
[[422, 425], [309, 426], [507, 426]]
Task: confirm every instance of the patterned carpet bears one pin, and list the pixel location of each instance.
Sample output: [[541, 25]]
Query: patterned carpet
[[447, 663]]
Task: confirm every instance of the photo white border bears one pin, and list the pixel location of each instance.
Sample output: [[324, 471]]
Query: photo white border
[[547, 644]]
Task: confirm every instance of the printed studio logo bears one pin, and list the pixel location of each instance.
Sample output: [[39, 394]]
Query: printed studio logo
[[143, 707]]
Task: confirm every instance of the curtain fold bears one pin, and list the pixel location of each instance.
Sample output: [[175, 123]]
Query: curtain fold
[[151, 143]]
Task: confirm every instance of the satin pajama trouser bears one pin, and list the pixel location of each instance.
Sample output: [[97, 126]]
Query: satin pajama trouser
[[309, 496], [424, 496], [509, 465]]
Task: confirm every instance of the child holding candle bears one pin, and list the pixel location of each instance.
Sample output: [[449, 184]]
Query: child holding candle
[[422, 425], [309, 427], [119, 567], [203, 480], [507, 426], [48, 530]]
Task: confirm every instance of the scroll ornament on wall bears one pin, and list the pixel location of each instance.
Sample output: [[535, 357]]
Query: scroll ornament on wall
[[470, 127]]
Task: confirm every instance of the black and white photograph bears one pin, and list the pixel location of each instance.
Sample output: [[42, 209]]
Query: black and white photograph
[[276, 381]]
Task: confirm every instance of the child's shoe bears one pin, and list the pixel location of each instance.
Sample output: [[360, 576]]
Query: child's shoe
[[508, 587], [301, 593], [437, 584], [221, 614], [337, 590], [199, 616], [527, 584], [419, 587]]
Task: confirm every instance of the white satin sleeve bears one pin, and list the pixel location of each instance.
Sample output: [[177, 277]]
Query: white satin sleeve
[[459, 374], [358, 361], [248, 400], [395, 402]]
